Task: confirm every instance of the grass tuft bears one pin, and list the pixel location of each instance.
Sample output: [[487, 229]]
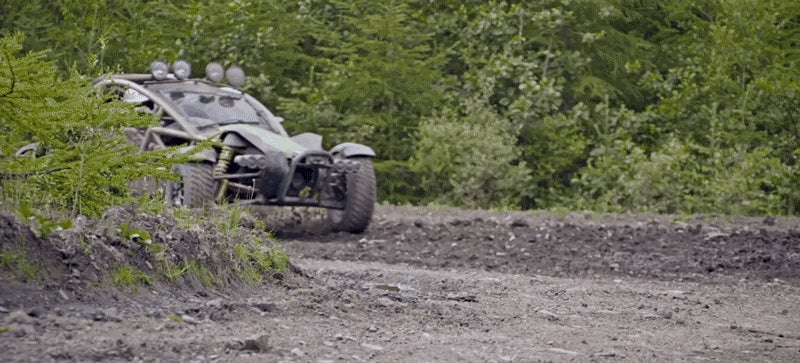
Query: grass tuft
[[18, 262], [194, 268], [255, 260], [125, 275]]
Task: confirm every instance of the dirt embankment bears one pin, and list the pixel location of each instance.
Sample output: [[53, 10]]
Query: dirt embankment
[[422, 285]]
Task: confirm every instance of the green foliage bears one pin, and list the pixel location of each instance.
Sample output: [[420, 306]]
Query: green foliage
[[556, 151], [86, 248], [234, 218], [224, 218], [143, 238], [684, 178], [174, 318], [254, 260], [251, 259], [17, 262], [397, 183], [264, 37], [126, 232], [470, 159], [733, 99], [40, 224], [202, 273], [125, 275], [150, 205], [83, 163], [597, 98], [195, 268], [173, 271], [374, 76]]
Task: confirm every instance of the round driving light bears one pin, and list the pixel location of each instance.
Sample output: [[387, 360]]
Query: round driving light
[[214, 72], [159, 70], [262, 163], [235, 76], [182, 69]]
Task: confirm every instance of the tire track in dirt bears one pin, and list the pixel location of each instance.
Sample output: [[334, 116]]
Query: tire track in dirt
[[575, 245]]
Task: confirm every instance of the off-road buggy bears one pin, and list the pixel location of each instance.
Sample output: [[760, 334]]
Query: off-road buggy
[[253, 160]]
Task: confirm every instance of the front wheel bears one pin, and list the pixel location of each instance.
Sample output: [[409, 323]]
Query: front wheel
[[196, 188], [360, 199]]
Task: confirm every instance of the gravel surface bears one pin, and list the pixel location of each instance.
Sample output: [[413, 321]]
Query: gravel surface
[[425, 285]]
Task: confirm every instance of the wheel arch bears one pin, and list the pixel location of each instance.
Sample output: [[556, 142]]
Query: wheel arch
[[351, 149]]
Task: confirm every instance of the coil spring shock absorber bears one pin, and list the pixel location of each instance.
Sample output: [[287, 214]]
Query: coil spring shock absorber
[[224, 161]]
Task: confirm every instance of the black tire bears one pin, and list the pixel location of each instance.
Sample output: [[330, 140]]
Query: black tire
[[359, 200], [196, 189]]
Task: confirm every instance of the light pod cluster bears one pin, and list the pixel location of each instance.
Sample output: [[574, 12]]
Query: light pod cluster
[[215, 72]]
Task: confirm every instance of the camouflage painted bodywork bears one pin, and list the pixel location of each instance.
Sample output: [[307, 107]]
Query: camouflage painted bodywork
[[264, 140]]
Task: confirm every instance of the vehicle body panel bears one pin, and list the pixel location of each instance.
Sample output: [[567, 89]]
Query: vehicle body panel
[[264, 140]]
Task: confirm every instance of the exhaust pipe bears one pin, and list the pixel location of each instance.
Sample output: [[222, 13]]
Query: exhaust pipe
[[252, 161]]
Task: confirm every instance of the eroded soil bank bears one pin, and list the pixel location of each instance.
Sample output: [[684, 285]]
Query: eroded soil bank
[[449, 285]]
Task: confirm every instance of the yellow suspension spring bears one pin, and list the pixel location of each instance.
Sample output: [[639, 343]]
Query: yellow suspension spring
[[224, 161]]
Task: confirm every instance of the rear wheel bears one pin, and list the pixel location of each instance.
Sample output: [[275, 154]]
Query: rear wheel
[[360, 199], [197, 186]]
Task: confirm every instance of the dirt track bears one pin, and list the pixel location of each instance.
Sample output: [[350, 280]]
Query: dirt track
[[456, 285]]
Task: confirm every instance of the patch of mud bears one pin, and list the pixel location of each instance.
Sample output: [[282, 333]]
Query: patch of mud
[[570, 245], [370, 311], [292, 222]]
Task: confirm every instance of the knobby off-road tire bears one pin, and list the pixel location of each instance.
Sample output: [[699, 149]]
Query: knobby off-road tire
[[359, 201], [197, 187]]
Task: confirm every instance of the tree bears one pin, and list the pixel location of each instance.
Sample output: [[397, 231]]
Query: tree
[[586, 85], [83, 163], [727, 102]]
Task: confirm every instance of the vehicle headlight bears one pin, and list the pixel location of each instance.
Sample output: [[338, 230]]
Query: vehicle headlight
[[235, 76], [159, 70], [214, 72], [182, 69]]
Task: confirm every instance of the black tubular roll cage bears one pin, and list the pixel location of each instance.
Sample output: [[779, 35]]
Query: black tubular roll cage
[[188, 131]]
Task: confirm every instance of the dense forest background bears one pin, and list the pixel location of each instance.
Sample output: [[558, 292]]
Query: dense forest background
[[665, 106]]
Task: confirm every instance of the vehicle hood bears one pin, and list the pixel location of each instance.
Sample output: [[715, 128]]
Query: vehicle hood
[[265, 140]]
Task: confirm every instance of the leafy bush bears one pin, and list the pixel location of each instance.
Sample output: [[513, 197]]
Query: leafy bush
[[470, 159], [555, 149], [684, 177], [396, 183], [708, 76]]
